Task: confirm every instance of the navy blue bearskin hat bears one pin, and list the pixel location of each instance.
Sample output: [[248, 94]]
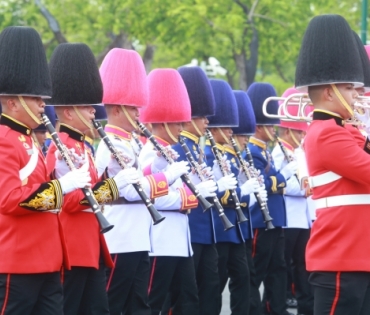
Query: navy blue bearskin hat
[[23, 65], [258, 93], [365, 62], [100, 113], [247, 120], [50, 112], [200, 92], [226, 111], [329, 54], [75, 76]]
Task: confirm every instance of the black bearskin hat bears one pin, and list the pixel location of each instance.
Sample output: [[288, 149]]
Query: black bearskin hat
[[329, 54], [75, 76], [364, 60], [23, 65]]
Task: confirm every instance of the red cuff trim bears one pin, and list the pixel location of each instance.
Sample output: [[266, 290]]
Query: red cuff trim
[[158, 185], [188, 199], [147, 170]]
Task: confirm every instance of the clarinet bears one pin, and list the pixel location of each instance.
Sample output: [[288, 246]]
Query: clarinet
[[185, 178], [137, 140], [286, 155], [198, 169], [239, 213], [156, 216], [103, 222], [263, 205]]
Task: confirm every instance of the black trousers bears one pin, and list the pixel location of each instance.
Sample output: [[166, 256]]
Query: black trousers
[[295, 248], [31, 294], [269, 262], [175, 275], [84, 291], [206, 268], [127, 284], [255, 305], [341, 293], [233, 264]]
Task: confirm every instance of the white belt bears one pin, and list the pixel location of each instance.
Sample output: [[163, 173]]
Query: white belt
[[87, 210], [54, 211], [344, 200], [323, 179]]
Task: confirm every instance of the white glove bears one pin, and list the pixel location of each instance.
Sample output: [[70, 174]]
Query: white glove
[[61, 167], [127, 177], [194, 178], [79, 178], [289, 170], [207, 188], [216, 168], [250, 186], [263, 194], [227, 182], [242, 177], [207, 171], [160, 163], [175, 170], [365, 119], [113, 166]]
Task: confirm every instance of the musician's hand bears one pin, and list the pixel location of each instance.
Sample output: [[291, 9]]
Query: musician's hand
[[175, 170], [250, 186], [78, 178], [127, 177], [263, 194], [61, 167], [227, 182], [207, 188], [207, 171], [226, 168], [113, 166], [242, 177], [289, 170], [365, 119]]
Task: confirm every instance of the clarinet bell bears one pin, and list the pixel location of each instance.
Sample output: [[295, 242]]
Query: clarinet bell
[[204, 203], [226, 222], [240, 215], [105, 226], [269, 225]]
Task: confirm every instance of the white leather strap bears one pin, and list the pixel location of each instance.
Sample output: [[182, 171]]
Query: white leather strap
[[87, 210], [323, 179], [344, 200], [31, 165]]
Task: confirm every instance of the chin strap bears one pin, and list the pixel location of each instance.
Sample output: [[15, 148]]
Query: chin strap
[[223, 135], [85, 122], [132, 122], [173, 138], [342, 100], [196, 128], [294, 138], [269, 135], [28, 110]]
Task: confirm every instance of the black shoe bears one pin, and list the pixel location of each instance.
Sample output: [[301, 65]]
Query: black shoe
[[291, 303]]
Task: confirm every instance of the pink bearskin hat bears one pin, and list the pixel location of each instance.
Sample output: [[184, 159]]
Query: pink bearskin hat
[[293, 110], [124, 78], [168, 98]]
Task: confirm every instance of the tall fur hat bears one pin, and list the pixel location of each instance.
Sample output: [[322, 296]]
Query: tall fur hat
[[329, 54], [293, 110], [124, 78], [364, 61], [247, 120], [100, 113], [226, 111], [258, 93], [168, 99], [23, 65], [75, 76], [200, 92]]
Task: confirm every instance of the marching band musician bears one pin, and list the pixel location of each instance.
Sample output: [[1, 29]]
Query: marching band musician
[[202, 230], [247, 127], [76, 86], [232, 259], [336, 253], [125, 90], [31, 241], [172, 266], [268, 245], [298, 220]]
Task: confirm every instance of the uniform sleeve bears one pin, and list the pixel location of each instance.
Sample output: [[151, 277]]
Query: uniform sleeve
[[360, 139], [18, 199]]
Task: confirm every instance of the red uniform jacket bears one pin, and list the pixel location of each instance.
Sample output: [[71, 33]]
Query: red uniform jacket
[[84, 242], [30, 237], [340, 235]]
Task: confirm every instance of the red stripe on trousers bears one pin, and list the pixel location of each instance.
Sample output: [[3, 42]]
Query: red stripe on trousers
[[6, 294], [337, 291], [111, 273], [254, 244], [152, 275]]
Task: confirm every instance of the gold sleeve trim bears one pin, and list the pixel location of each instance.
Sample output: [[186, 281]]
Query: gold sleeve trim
[[225, 197], [114, 188], [47, 197], [58, 194], [274, 184]]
